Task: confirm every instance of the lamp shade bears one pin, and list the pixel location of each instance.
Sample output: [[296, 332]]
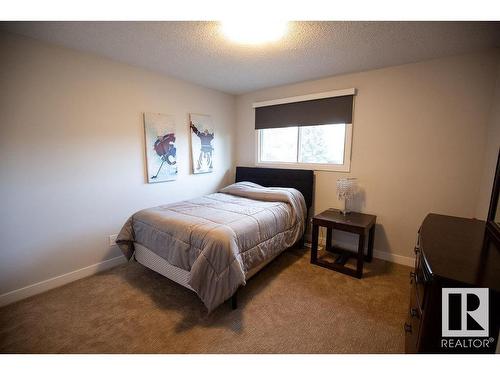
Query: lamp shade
[[346, 188]]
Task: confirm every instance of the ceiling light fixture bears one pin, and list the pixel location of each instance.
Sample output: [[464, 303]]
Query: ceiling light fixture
[[254, 32]]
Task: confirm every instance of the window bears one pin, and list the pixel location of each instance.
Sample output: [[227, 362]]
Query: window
[[321, 147], [311, 131]]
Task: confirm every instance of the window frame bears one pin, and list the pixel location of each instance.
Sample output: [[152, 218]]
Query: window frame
[[345, 167]]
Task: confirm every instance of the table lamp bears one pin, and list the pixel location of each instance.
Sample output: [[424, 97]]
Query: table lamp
[[346, 189]]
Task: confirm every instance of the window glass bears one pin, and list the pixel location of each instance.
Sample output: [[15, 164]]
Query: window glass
[[322, 144], [322, 147], [279, 144]]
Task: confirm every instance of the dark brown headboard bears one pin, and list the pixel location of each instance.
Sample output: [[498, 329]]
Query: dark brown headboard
[[299, 179]]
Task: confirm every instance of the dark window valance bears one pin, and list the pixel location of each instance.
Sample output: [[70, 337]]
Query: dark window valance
[[334, 110]]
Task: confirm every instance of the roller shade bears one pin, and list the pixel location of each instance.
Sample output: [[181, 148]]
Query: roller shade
[[333, 110]]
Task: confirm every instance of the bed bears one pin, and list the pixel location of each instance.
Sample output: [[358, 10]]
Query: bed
[[214, 244]]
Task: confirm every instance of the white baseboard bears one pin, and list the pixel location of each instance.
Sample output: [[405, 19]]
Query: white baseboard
[[54, 282], [394, 258], [390, 257]]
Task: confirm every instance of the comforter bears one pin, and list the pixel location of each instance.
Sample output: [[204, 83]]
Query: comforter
[[220, 237]]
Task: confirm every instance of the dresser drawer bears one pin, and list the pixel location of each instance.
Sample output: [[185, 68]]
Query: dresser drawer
[[412, 323], [419, 279]]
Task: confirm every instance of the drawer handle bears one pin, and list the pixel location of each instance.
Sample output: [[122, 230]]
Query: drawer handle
[[407, 328], [414, 313], [413, 276]]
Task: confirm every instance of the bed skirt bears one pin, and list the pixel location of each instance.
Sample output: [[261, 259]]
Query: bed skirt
[[156, 263]]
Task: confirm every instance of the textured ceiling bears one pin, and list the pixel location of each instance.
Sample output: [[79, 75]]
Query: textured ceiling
[[199, 53]]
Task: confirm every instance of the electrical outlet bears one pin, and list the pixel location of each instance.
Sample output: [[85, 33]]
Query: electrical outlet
[[112, 239]]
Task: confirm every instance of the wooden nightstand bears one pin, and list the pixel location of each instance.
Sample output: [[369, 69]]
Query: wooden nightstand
[[354, 222]]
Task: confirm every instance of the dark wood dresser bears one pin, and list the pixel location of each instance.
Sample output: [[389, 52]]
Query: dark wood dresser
[[451, 252]]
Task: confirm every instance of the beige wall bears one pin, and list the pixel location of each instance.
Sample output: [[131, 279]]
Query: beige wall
[[491, 153], [72, 154], [419, 134]]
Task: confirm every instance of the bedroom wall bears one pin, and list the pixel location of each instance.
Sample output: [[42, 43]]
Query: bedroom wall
[[72, 152], [491, 153], [419, 135]]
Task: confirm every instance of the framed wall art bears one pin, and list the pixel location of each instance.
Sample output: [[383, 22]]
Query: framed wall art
[[202, 143], [161, 153]]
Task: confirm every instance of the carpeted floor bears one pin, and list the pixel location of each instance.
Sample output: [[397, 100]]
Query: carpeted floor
[[291, 306]]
